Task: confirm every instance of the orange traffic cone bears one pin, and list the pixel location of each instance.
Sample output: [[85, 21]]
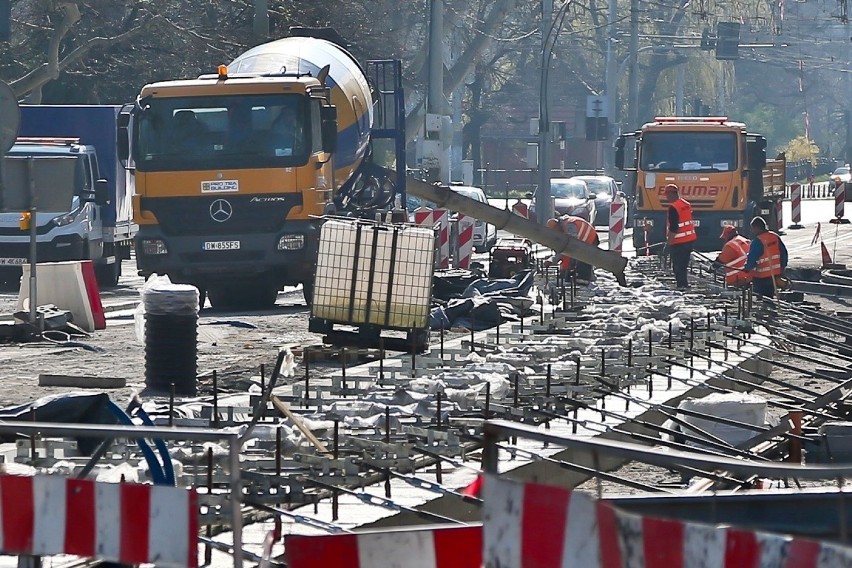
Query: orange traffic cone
[[826, 258]]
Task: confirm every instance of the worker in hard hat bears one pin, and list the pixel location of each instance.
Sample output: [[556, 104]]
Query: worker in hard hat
[[579, 229], [733, 257], [680, 234], [767, 259]]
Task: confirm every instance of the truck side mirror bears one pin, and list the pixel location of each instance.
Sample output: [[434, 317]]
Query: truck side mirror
[[123, 135], [329, 129], [101, 192], [619, 153]]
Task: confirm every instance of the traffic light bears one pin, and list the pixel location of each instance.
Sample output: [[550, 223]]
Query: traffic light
[[5, 20], [708, 40], [727, 41]]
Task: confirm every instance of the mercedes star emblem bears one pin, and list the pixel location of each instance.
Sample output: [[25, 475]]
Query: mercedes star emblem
[[221, 210]]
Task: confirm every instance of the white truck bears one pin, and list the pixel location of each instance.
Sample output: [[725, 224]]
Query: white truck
[[66, 157]]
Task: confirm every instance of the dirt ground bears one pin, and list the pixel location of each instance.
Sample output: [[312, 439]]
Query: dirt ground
[[232, 344]]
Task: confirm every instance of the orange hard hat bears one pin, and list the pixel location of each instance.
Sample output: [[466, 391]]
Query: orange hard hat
[[728, 231]]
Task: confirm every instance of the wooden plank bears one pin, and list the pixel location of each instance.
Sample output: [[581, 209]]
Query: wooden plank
[[295, 419], [81, 381]]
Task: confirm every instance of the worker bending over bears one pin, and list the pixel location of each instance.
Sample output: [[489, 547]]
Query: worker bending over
[[733, 257], [680, 234], [767, 259], [579, 229]]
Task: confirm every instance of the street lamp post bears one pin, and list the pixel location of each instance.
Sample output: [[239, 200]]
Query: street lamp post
[[543, 203]]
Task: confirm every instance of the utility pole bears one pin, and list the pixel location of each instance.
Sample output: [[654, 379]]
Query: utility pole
[[633, 90], [680, 73], [261, 20], [434, 145], [543, 202], [611, 77]]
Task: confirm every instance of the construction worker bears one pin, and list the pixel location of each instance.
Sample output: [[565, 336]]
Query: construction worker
[[579, 229], [680, 234], [733, 257], [767, 258]]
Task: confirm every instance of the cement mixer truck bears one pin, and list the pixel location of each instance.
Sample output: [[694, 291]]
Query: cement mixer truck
[[233, 170]]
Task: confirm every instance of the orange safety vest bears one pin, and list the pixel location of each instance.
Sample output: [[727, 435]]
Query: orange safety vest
[[579, 229], [685, 226], [733, 256], [769, 263]]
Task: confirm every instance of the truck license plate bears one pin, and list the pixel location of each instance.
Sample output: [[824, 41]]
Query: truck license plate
[[222, 245], [12, 261]]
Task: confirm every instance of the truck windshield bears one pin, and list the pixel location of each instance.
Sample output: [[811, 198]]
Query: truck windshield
[[245, 131], [688, 151]]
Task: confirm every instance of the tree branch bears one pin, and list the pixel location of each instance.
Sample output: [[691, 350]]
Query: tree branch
[[50, 70]]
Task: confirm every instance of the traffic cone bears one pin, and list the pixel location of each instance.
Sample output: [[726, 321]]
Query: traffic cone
[[826, 258]]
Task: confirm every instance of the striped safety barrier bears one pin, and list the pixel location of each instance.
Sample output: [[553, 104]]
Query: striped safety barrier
[[617, 210], [433, 547], [522, 209], [120, 522], [464, 243], [530, 525], [839, 200], [779, 214], [426, 217], [796, 205]]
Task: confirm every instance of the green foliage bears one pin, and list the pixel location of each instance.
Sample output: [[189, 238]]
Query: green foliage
[[800, 148], [771, 121]]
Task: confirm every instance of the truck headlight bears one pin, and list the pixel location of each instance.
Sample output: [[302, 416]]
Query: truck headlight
[[291, 242], [154, 247], [66, 219]]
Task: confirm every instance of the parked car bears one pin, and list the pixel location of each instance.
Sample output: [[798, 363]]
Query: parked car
[[571, 196], [843, 174], [484, 235], [604, 188]]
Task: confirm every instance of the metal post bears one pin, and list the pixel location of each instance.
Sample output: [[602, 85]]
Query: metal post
[[33, 241], [633, 85], [236, 498], [543, 203]]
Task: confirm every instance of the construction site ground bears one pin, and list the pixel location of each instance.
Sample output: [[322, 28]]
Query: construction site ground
[[235, 344]]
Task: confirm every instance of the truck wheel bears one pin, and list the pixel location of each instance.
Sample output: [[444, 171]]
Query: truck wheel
[[107, 275]]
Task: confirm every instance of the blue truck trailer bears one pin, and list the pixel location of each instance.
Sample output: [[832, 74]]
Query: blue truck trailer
[[84, 213]]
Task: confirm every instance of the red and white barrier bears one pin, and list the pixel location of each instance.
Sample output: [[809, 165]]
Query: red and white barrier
[[69, 286], [839, 202], [464, 242], [451, 547], [531, 525], [426, 217], [779, 214], [796, 205], [646, 228], [617, 210], [522, 209], [120, 522]]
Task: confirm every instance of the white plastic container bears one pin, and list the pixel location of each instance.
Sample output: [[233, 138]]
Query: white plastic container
[[376, 274], [741, 407]]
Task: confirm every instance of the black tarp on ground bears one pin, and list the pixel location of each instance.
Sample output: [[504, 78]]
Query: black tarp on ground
[[71, 408], [484, 303]]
